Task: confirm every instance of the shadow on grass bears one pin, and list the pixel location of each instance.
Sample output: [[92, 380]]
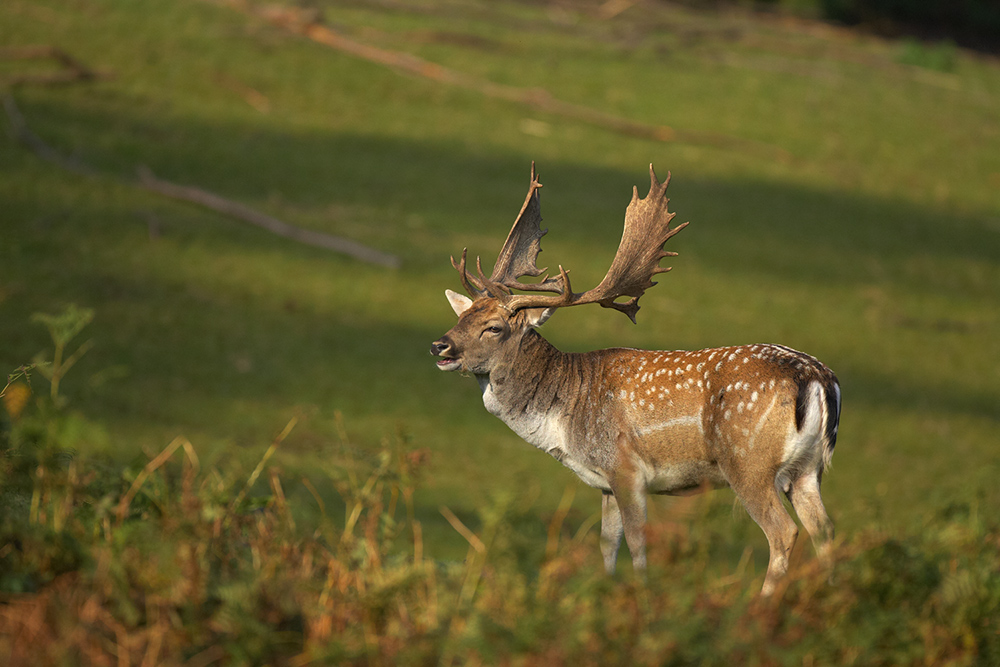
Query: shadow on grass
[[745, 226]]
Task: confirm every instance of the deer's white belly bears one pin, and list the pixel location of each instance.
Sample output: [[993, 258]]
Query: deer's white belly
[[683, 476]]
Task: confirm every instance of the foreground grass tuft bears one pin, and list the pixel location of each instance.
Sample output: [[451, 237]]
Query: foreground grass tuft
[[176, 563]]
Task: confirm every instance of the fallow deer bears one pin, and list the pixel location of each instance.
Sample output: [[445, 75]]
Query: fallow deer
[[761, 419]]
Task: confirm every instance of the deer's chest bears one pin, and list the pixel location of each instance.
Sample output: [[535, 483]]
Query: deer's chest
[[546, 430]]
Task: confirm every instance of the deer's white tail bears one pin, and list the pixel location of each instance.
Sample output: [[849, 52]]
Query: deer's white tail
[[831, 391], [809, 447]]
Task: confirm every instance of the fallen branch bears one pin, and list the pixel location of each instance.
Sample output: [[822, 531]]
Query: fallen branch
[[21, 133], [304, 22], [237, 210], [71, 70]]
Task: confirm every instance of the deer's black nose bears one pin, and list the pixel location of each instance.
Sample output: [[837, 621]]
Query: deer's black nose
[[439, 347]]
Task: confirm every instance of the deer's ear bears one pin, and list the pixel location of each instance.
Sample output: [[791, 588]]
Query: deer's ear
[[536, 317], [459, 302]]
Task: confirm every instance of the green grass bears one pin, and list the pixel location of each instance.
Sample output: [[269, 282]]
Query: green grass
[[862, 224]]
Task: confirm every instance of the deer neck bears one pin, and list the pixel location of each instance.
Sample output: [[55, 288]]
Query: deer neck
[[524, 390]]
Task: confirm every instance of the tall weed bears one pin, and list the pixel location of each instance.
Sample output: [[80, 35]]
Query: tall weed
[[188, 568]]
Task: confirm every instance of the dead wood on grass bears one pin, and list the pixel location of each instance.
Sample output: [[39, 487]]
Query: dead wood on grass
[[22, 133], [308, 24]]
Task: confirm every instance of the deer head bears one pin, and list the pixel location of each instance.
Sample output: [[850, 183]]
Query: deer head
[[493, 321]]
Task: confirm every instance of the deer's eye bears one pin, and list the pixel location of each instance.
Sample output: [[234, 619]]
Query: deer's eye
[[493, 329]]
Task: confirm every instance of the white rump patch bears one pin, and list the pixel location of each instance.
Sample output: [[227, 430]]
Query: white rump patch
[[803, 450]]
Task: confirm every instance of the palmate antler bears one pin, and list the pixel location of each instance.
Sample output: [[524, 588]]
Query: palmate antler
[[647, 228], [517, 257]]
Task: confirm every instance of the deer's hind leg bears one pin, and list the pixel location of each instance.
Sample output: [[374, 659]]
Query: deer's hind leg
[[764, 505], [804, 496]]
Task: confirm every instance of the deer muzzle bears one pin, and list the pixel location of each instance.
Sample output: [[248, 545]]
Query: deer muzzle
[[443, 348]]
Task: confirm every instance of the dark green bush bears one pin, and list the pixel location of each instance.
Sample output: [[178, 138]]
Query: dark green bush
[[969, 22]]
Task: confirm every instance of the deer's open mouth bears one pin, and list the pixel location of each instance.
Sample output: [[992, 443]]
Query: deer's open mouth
[[449, 364]]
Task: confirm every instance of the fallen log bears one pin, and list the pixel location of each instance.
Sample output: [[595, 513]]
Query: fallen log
[[235, 209], [147, 180]]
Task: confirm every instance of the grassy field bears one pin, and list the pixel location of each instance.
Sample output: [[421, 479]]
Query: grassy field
[[842, 201]]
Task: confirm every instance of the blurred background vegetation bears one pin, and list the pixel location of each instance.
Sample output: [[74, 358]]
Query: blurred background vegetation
[[839, 162]]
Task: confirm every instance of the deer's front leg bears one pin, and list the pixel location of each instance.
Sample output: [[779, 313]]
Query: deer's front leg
[[630, 497], [611, 531]]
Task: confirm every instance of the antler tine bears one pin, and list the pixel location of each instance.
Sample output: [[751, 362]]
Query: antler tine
[[496, 290], [475, 291]]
